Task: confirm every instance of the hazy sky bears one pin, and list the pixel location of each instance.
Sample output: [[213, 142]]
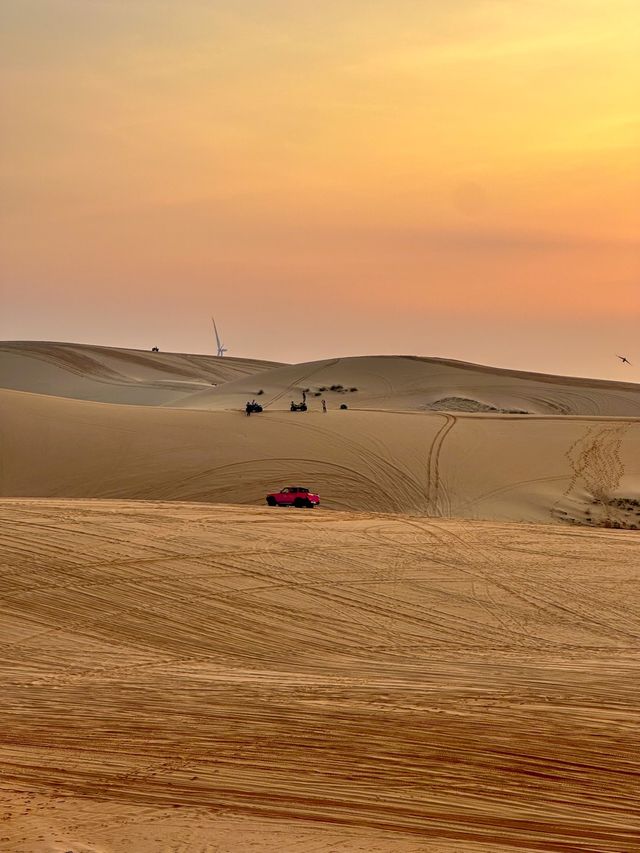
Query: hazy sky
[[456, 178]]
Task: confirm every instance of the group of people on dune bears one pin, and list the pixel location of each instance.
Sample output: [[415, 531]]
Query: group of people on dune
[[252, 406], [302, 407]]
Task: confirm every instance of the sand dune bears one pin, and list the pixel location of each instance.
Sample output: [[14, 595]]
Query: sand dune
[[477, 466], [405, 383], [112, 375], [408, 383], [193, 671], [390, 451], [328, 681]]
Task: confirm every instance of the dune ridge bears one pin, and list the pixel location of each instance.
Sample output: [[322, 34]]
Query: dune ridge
[[404, 383], [409, 383], [114, 375]]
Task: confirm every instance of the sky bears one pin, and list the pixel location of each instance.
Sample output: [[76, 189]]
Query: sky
[[457, 179]]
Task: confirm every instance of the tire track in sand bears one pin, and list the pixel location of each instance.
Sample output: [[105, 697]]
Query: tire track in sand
[[436, 493]]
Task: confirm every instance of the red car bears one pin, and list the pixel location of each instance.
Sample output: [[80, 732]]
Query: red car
[[293, 496]]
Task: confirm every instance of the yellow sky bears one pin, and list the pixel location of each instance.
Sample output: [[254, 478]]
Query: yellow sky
[[324, 174]]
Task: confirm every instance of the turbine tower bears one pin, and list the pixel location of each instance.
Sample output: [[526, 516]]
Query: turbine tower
[[221, 349]]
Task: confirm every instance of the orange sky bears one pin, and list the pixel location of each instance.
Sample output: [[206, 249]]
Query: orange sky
[[453, 178]]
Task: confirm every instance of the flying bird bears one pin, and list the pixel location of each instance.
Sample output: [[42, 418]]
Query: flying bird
[[624, 360]]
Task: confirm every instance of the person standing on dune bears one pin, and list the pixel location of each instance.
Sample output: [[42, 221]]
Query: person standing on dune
[[324, 405]]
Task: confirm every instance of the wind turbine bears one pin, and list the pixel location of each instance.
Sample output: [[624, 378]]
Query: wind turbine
[[221, 349]]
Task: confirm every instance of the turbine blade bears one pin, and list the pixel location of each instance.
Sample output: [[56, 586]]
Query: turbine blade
[[215, 329]]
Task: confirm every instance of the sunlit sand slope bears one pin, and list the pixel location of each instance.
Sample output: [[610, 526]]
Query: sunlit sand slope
[[255, 680], [114, 375], [482, 466], [408, 382], [108, 374]]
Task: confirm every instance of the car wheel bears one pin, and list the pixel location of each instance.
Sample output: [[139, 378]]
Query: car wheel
[[299, 503], [271, 501]]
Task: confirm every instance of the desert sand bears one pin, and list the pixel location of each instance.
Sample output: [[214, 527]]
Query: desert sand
[[575, 456], [111, 375], [442, 658]]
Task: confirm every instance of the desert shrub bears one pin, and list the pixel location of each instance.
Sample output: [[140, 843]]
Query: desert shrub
[[606, 522], [316, 393], [353, 389], [322, 388], [261, 391], [344, 406]]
